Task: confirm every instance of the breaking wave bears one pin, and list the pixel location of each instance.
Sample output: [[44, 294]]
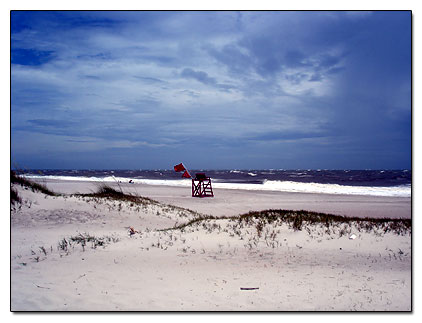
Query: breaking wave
[[267, 185]]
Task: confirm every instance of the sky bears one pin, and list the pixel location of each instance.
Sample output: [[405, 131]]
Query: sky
[[214, 90]]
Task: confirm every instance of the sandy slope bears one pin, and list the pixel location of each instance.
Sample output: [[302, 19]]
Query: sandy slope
[[233, 202], [202, 267]]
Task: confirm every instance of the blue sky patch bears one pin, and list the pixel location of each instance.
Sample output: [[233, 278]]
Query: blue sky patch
[[30, 57]]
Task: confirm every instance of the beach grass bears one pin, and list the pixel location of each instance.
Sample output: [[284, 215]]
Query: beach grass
[[14, 196], [16, 179], [298, 220], [108, 192]]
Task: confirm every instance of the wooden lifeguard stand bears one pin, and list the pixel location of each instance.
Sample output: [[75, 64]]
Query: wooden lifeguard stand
[[201, 186]]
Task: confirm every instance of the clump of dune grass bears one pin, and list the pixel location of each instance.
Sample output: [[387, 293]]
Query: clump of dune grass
[[85, 240], [16, 179], [14, 197], [298, 220], [106, 191]]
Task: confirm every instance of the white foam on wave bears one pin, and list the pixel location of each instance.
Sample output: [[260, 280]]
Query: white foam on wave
[[288, 186], [297, 187], [281, 186]]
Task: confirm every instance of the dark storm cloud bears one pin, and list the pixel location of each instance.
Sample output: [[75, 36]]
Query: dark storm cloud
[[333, 88], [204, 78]]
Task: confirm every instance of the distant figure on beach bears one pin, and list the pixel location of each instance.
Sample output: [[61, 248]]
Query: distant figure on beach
[[131, 182]]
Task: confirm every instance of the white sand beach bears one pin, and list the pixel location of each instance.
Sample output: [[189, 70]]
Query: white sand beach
[[75, 253]]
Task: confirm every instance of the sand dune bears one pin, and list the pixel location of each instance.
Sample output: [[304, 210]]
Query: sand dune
[[76, 253]]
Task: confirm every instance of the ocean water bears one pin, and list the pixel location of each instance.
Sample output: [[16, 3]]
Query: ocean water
[[350, 182]]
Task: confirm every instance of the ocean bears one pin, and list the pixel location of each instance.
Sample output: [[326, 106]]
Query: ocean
[[351, 182]]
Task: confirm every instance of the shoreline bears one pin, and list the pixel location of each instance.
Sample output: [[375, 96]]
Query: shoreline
[[267, 185], [237, 201]]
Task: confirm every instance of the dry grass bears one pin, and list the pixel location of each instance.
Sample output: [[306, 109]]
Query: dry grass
[[107, 192], [298, 220], [16, 179], [14, 197]]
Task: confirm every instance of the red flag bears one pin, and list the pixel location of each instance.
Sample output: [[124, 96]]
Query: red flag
[[179, 168], [186, 174]]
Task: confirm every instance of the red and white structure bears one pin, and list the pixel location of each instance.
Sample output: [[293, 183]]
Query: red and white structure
[[201, 184]]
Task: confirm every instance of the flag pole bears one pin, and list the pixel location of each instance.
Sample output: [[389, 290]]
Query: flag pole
[[187, 171]]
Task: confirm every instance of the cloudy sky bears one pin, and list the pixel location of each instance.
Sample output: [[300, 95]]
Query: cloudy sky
[[252, 90]]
